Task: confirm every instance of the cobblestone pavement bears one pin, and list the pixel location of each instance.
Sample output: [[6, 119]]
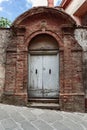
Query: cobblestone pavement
[[23, 118]]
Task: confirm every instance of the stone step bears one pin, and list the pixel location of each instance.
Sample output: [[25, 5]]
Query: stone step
[[44, 100], [54, 106]]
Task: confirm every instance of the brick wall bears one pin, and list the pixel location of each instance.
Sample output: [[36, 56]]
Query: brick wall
[[15, 80], [72, 95], [84, 19], [16, 48]]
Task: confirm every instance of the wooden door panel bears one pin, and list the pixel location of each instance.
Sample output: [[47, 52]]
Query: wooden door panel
[[35, 76], [43, 76], [50, 75]]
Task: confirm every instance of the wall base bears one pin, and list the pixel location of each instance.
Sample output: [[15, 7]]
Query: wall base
[[72, 103], [17, 99], [86, 104]]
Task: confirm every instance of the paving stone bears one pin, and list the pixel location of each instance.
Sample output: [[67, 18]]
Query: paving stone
[[29, 115], [80, 114], [51, 117], [27, 126], [8, 124], [74, 117], [18, 129], [8, 109], [37, 111], [1, 127], [84, 123], [24, 118], [17, 117], [60, 126], [3, 114], [85, 118], [21, 108], [71, 124], [42, 125]]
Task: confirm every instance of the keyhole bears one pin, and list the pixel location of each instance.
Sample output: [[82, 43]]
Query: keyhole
[[49, 71], [36, 71]]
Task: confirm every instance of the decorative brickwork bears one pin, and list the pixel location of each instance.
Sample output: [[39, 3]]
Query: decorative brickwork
[[60, 26]]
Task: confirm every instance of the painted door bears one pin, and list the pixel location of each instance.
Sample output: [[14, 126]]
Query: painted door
[[35, 76], [50, 81], [43, 76]]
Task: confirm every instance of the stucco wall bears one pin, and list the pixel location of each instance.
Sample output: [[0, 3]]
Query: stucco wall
[[4, 41], [81, 37]]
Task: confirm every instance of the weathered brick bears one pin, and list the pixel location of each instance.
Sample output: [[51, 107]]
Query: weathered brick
[[14, 50]]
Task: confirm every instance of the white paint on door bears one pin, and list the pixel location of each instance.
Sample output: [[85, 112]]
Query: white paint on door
[[43, 76], [35, 76], [50, 75]]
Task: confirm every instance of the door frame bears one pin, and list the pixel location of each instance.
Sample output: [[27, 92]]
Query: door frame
[[43, 52], [39, 52]]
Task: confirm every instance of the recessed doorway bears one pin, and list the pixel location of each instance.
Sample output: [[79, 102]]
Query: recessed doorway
[[43, 68], [43, 75]]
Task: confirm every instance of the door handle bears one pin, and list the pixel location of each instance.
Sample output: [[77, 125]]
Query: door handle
[[36, 71], [49, 71]]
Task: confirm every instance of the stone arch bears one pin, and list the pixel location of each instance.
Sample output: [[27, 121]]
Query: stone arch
[[43, 42], [36, 11], [49, 33], [43, 58]]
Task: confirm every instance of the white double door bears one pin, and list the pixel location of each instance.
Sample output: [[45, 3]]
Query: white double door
[[43, 76]]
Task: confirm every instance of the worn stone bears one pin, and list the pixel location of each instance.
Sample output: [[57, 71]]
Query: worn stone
[[52, 118], [28, 126], [9, 124], [3, 114], [70, 121], [17, 117], [81, 37], [42, 125], [72, 125], [60, 126], [29, 115]]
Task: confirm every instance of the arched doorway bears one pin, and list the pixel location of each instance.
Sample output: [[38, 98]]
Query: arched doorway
[[43, 67]]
